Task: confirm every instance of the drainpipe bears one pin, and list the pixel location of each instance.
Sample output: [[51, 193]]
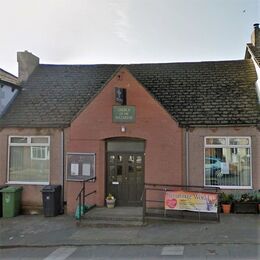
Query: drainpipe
[[187, 154], [62, 169]]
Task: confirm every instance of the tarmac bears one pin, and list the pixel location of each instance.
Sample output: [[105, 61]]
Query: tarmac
[[62, 230]]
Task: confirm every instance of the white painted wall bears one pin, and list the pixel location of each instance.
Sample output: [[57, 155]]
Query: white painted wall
[[6, 95]]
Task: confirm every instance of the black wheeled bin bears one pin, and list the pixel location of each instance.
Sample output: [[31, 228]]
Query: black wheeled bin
[[51, 198], [1, 199]]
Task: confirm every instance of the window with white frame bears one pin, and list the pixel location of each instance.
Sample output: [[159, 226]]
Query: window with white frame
[[39, 153], [227, 162], [29, 160]]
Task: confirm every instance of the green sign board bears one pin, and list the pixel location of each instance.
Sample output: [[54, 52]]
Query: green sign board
[[123, 114]]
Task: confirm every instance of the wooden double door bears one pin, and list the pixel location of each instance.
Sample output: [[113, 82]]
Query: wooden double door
[[125, 177]]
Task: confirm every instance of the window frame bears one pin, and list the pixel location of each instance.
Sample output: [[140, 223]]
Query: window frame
[[227, 145], [79, 178], [47, 156], [29, 143]]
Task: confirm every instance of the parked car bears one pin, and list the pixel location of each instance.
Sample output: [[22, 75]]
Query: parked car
[[213, 167]]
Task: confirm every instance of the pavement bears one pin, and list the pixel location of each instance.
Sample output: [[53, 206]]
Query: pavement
[[40, 231]]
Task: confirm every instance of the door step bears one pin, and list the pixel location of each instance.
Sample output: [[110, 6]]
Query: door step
[[117, 217], [109, 223]]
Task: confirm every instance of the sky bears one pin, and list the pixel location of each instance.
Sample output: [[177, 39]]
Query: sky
[[125, 31]]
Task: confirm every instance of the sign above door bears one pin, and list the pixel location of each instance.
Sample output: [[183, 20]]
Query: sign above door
[[123, 114]]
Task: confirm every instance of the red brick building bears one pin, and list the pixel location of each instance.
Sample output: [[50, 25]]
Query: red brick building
[[175, 123]]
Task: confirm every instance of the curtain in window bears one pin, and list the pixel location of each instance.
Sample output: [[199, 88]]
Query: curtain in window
[[25, 167]]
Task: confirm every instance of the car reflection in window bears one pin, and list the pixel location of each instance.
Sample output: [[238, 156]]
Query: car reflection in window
[[213, 169]]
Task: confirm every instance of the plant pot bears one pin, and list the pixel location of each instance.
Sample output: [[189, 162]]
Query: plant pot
[[110, 203], [226, 208]]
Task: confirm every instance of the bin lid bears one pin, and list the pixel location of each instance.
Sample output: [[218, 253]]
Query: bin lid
[[50, 188], [11, 189]]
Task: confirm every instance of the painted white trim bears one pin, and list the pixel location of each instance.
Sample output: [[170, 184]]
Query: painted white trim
[[29, 140], [249, 146], [28, 144], [27, 183], [230, 187], [227, 142], [47, 157]]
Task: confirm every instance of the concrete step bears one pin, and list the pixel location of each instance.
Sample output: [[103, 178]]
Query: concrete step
[[119, 216], [85, 222], [112, 217]]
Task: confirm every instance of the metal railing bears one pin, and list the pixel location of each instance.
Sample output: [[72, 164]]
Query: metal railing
[[158, 200], [81, 198]]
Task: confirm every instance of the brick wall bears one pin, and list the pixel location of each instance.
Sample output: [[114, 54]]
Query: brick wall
[[31, 195], [196, 151], [163, 152]]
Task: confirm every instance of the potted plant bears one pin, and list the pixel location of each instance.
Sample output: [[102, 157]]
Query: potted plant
[[247, 202], [226, 201], [110, 201]]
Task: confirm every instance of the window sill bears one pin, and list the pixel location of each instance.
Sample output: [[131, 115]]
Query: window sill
[[27, 183], [230, 187]]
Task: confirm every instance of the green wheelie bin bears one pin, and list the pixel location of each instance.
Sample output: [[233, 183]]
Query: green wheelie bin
[[1, 200], [11, 200]]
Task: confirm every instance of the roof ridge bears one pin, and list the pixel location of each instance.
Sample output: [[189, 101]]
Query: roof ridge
[[9, 74], [142, 63]]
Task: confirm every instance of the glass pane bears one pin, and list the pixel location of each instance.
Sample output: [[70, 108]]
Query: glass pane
[[139, 168], [131, 169], [39, 153], [119, 170], [125, 146], [239, 141], [112, 170], [216, 141], [227, 167], [131, 159], [112, 158], [119, 158], [40, 140], [139, 159], [85, 164], [24, 168], [18, 140]]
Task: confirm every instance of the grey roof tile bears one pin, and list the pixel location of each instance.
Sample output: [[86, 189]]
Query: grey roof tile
[[203, 93], [198, 93], [54, 94]]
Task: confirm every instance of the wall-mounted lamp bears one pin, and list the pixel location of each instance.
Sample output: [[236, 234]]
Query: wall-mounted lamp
[[123, 129]]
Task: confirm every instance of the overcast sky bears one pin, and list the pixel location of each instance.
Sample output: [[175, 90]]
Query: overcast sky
[[125, 31]]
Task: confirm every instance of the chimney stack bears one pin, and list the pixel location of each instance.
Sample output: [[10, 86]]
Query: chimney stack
[[255, 36], [27, 62]]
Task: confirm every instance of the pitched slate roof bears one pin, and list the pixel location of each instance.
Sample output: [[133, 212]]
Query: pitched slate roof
[[203, 93], [8, 78], [195, 94], [54, 94]]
